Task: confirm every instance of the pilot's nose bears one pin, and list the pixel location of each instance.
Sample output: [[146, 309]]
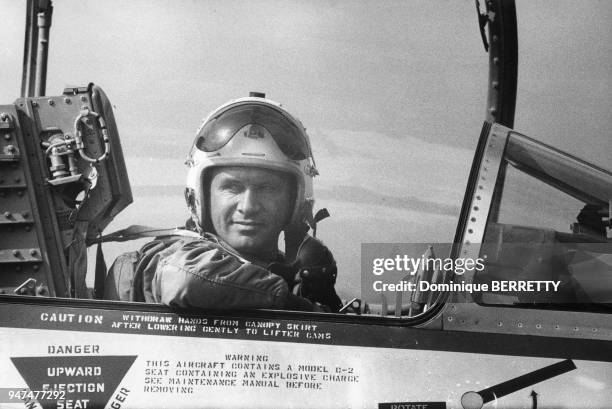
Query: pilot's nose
[[249, 203]]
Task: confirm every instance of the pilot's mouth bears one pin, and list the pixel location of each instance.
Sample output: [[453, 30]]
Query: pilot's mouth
[[248, 223]]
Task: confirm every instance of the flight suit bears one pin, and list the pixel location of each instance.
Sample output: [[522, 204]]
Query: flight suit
[[191, 272]]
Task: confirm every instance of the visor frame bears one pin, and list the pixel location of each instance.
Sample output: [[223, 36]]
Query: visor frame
[[288, 134]]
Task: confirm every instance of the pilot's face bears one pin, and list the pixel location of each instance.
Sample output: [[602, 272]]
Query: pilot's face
[[249, 207]]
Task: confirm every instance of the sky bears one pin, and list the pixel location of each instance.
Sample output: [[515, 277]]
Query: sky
[[392, 93]]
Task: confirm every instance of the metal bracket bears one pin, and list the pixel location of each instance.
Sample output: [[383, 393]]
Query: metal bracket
[[27, 255], [10, 153], [75, 90], [483, 19], [6, 122]]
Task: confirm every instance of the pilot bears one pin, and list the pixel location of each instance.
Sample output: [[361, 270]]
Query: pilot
[[250, 179]]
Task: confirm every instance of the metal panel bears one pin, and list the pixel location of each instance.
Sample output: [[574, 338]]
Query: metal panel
[[477, 206]]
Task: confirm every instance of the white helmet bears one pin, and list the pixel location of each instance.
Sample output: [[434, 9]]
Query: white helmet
[[252, 131]]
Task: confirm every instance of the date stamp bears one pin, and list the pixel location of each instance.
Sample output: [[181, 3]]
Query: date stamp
[[14, 395]]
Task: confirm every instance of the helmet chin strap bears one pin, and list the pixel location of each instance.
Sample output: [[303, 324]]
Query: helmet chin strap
[[295, 233], [195, 224]]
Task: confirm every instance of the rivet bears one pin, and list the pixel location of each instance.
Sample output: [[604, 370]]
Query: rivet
[[538, 326], [67, 100], [495, 60], [34, 103], [473, 219], [17, 179], [51, 102], [495, 84], [470, 231], [7, 214], [4, 116], [25, 215], [28, 228], [494, 38], [10, 148], [500, 324], [16, 253], [450, 318], [493, 110], [35, 267], [20, 193], [7, 136], [520, 325], [33, 252], [476, 208], [83, 98]]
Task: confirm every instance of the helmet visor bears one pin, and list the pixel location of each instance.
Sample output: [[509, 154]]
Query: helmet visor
[[288, 137]]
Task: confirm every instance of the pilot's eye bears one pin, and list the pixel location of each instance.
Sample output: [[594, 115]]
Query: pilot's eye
[[231, 186], [269, 188]]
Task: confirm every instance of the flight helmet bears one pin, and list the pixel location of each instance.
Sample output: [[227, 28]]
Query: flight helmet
[[251, 132]]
